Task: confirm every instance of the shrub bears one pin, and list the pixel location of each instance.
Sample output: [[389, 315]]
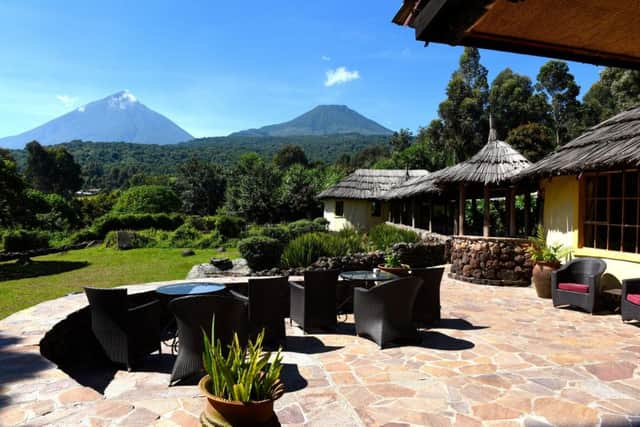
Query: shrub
[[114, 221], [184, 236], [322, 222], [21, 240], [198, 222], [308, 248], [279, 232], [261, 252], [83, 235], [148, 199], [134, 240], [383, 236], [229, 226], [303, 226], [208, 241]]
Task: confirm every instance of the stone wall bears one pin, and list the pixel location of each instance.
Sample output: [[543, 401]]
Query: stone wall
[[493, 261]]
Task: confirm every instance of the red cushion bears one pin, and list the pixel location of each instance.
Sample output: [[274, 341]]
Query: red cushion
[[634, 298], [574, 287]]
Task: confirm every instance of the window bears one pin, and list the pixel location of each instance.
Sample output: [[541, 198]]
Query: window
[[339, 208], [376, 208], [611, 218]]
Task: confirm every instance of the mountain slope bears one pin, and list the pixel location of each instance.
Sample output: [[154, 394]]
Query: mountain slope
[[119, 117], [322, 120]]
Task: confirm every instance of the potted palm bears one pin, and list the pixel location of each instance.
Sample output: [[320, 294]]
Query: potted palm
[[393, 265], [240, 387], [546, 259]]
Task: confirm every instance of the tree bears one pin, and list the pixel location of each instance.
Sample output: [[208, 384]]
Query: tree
[[298, 192], [52, 170], [252, 192], [148, 199], [401, 139], [201, 187], [463, 123], [532, 140], [513, 102], [11, 190], [558, 85], [366, 157], [617, 90], [289, 155]]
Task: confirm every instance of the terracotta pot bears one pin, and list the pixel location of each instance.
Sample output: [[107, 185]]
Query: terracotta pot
[[541, 275], [401, 271], [219, 411]]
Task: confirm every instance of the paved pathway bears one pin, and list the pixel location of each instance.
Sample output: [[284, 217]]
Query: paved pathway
[[502, 357]]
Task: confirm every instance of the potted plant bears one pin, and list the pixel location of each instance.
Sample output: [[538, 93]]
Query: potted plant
[[546, 259], [393, 265], [240, 387]]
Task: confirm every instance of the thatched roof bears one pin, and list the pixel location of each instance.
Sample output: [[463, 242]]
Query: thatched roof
[[369, 184], [612, 144], [413, 186], [495, 163]]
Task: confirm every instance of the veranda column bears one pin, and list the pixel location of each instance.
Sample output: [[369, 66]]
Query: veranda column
[[461, 210], [486, 223], [413, 212], [527, 211], [512, 211]]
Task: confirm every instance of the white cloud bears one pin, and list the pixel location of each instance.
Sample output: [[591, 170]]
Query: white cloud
[[67, 100], [340, 75], [325, 58]]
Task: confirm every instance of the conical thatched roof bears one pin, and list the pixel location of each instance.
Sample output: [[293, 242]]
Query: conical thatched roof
[[614, 143], [413, 186], [369, 184], [495, 163]]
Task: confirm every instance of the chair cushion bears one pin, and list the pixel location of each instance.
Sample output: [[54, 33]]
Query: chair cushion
[[634, 298], [574, 287]]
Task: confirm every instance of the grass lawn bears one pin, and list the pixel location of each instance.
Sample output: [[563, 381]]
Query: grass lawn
[[55, 275]]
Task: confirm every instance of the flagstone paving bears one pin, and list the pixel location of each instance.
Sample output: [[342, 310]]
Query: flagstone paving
[[501, 357]]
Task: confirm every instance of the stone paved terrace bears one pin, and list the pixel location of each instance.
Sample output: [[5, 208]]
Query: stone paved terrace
[[502, 357]]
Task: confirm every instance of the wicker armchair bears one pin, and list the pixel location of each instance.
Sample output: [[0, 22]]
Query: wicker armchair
[[426, 310], [194, 315], [268, 305], [126, 326], [385, 312], [313, 305], [630, 300], [578, 283]]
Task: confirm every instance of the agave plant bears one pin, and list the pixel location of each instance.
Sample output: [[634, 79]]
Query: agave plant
[[245, 374], [542, 252]]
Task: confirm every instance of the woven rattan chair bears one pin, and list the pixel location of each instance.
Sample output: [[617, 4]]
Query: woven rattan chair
[[385, 312], [426, 309], [126, 326], [194, 315], [578, 283], [630, 299], [313, 305], [268, 305]]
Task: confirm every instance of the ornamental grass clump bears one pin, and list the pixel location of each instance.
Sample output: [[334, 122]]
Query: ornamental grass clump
[[383, 236], [542, 252], [245, 374]]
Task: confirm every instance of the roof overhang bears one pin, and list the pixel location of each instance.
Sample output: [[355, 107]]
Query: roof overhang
[[593, 31]]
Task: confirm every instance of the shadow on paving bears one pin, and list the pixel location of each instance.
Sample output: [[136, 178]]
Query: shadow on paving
[[15, 270], [439, 341], [308, 345], [17, 366], [458, 324]]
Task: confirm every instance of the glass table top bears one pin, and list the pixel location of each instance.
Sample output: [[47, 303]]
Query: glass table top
[[190, 288], [367, 275]]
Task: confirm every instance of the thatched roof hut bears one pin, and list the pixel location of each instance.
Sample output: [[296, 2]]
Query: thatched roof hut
[[414, 186], [370, 184], [612, 144], [496, 163]]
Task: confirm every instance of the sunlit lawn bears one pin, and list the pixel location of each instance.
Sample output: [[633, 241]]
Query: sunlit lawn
[[56, 275]]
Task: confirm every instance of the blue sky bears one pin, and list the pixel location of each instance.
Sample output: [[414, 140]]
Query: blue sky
[[215, 67]]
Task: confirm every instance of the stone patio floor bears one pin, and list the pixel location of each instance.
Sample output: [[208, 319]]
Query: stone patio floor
[[501, 357]]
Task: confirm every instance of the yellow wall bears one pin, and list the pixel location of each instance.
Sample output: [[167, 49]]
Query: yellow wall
[[357, 214], [562, 218]]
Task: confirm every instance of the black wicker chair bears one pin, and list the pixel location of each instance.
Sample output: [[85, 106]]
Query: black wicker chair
[[268, 305], [127, 327], [385, 312], [194, 315], [426, 310], [578, 283], [630, 300], [313, 305]]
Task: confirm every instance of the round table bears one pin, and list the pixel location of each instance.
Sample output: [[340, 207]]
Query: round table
[[190, 288], [367, 276]]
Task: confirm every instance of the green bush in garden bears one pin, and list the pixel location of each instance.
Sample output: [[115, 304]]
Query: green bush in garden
[[135, 240], [322, 222], [303, 226], [83, 235], [114, 221], [308, 248], [19, 240], [261, 252], [148, 199], [383, 236], [229, 226], [208, 241], [184, 236]]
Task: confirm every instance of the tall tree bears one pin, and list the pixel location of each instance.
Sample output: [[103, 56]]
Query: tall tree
[[52, 170], [298, 192], [532, 140], [401, 139], [561, 90], [11, 190], [201, 187], [617, 90], [289, 155]]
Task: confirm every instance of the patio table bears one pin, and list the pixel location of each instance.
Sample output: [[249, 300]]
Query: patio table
[[367, 278]]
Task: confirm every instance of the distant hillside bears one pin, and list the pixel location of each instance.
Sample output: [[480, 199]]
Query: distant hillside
[[322, 120], [119, 117], [99, 160]]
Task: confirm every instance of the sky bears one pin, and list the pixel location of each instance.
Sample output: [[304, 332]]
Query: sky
[[215, 67]]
